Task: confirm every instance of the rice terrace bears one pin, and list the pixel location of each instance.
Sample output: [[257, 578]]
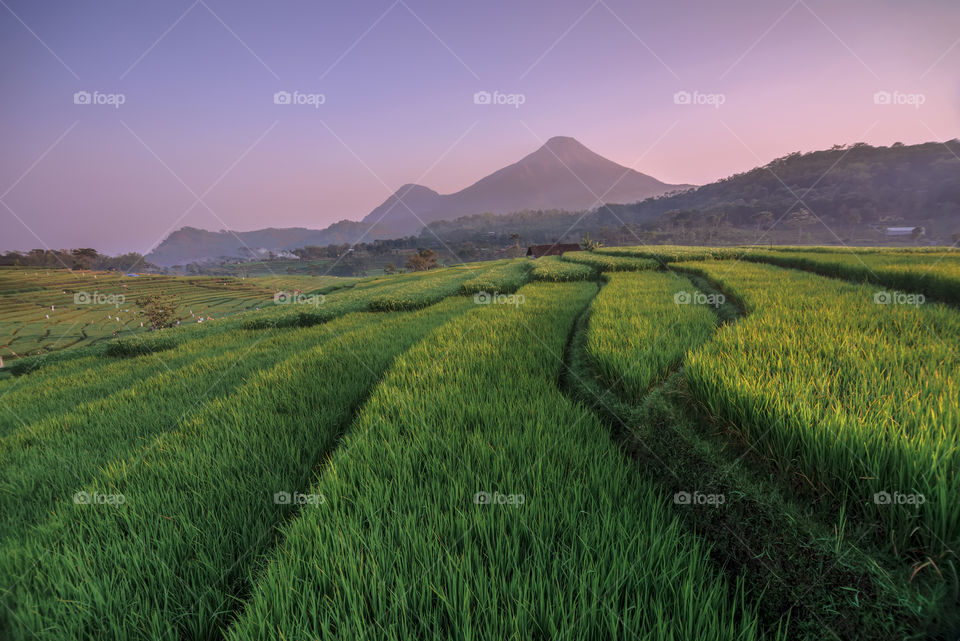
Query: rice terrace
[[633, 442], [417, 320]]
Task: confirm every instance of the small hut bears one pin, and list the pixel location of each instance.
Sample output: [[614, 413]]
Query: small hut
[[536, 251]]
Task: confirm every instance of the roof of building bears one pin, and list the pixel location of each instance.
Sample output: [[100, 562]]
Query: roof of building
[[551, 250]]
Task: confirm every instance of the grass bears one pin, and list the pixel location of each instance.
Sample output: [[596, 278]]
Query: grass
[[45, 462], [806, 571], [609, 263], [798, 399], [505, 278], [429, 287], [853, 397], [552, 269], [75, 383], [673, 253], [935, 275], [200, 500], [49, 309], [639, 332], [407, 547]]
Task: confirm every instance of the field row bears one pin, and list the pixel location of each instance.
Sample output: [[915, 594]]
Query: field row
[[33, 327]]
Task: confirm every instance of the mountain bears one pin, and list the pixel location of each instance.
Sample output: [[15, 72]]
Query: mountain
[[855, 190], [192, 245], [562, 174]]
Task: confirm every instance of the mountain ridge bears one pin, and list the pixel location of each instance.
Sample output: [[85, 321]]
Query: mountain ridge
[[561, 174]]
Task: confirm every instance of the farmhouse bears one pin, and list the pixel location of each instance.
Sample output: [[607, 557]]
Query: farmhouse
[[536, 251]]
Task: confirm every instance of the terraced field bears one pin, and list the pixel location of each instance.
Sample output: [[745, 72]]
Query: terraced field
[[634, 443], [44, 310]]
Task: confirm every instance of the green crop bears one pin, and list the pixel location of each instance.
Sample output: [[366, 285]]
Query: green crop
[[609, 263], [472, 500], [552, 269], [936, 275], [673, 253], [505, 278], [642, 324], [428, 288], [199, 502], [855, 393]]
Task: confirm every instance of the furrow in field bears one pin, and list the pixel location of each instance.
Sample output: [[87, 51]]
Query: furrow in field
[[856, 400], [805, 574], [202, 503], [609, 263], [472, 499], [552, 269], [426, 291], [642, 324], [53, 391], [504, 278], [936, 276], [45, 463]]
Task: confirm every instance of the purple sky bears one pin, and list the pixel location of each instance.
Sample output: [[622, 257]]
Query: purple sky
[[198, 83]]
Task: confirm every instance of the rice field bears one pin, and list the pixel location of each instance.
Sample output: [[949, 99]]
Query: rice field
[[673, 253], [654, 442], [50, 309], [552, 269], [609, 263], [416, 292], [859, 398], [634, 351], [935, 275], [504, 277], [469, 545]]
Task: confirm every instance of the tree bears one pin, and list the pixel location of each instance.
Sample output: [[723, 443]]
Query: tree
[[349, 265], [84, 258], [423, 260], [714, 221], [763, 219], [160, 309], [390, 268], [588, 244], [801, 218]]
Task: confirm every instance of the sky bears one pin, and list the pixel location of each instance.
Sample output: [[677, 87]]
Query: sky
[[123, 121]]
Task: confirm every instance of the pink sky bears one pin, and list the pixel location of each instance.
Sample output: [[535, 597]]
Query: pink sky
[[198, 117]]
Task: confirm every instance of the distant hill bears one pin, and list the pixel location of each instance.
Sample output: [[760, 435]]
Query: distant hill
[[859, 184], [192, 245], [855, 190], [850, 188], [562, 174]]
